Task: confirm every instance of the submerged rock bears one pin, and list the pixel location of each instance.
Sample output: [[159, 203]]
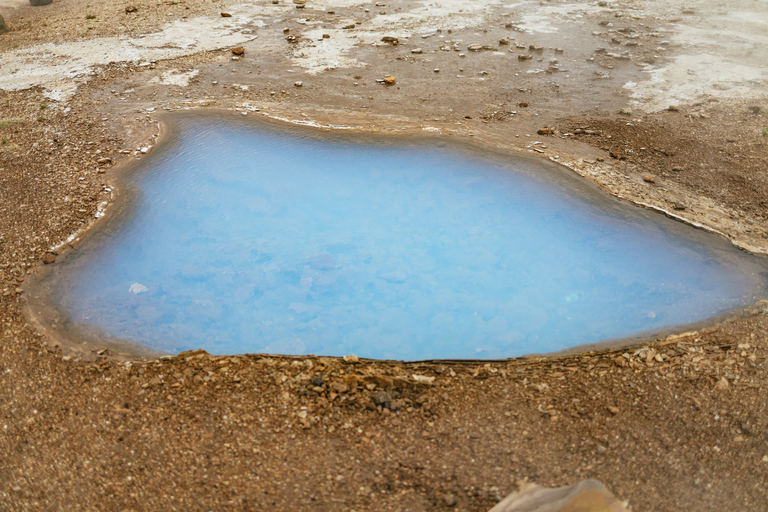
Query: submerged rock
[[586, 495], [3, 26], [38, 3]]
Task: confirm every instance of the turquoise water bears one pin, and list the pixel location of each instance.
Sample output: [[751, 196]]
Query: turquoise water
[[250, 239]]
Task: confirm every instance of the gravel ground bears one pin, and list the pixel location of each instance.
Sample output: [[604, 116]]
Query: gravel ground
[[675, 424]]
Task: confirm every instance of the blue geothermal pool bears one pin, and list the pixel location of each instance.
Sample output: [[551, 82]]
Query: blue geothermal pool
[[246, 239]]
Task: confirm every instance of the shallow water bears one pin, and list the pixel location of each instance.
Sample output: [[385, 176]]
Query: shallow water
[[251, 239]]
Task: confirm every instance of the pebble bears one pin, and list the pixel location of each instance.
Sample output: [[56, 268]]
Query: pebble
[[545, 131], [339, 387], [351, 358], [383, 399], [613, 410], [648, 179], [298, 84], [49, 258], [391, 40], [226, 15], [130, 8], [450, 500], [238, 50], [389, 80], [417, 50], [3, 26], [722, 384], [104, 161], [504, 40], [679, 206], [600, 449]]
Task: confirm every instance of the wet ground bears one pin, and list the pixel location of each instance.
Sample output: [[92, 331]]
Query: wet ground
[[663, 105]]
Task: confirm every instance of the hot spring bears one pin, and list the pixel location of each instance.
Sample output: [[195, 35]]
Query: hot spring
[[248, 238]]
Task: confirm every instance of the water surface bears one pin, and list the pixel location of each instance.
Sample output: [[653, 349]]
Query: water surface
[[248, 239]]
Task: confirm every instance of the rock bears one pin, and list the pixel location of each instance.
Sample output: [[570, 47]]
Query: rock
[[298, 84], [238, 50], [524, 57], [348, 27], [508, 24], [649, 179], [130, 8], [417, 50], [226, 15], [504, 40], [300, 2], [626, 111], [326, 36], [478, 47], [49, 258], [351, 358], [104, 161], [391, 40], [38, 3], [621, 362], [317, 380], [339, 387], [450, 500], [383, 399], [389, 80], [673, 108], [722, 384], [587, 495], [678, 206], [678, 169], [613, 410], [755, 109], [3, 26], [600, 449], [546, 131]]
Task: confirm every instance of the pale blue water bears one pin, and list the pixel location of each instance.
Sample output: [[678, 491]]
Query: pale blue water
[[248, 240]]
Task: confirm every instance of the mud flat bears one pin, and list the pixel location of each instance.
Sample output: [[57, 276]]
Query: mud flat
[[87, 429]]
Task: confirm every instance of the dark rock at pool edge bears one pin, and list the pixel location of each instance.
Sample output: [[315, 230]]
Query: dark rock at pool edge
[[38, 3], [3, 26]]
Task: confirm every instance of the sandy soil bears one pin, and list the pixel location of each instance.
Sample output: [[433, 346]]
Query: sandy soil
[[676, 424]]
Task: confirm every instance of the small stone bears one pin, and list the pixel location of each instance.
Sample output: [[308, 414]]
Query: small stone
[[524, 57], [286, 30], [351, 358], [755, 109], [3, 26], [226, 15], [238, 50], [508, 24], [673, 108], [38, 3], [613, 410], [626, 111], [417, 50], [383, 399], [389, 80], [545, 131], [130, 8], [678, 206], [300, 2], [339, 387], [600, 449], [649, 179], [391, 40], [298, 84], [326, 36], [49, 258], [348, 27], [317, 380], [621, 362], [738, 439], [104, 161], [450, 500], [504, 41], [677, 169], [722, 384]]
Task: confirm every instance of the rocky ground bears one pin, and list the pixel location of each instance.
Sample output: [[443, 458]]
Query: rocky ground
[[664, 105]]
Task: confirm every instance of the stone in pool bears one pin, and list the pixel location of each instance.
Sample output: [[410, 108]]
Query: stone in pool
[[241, 238]]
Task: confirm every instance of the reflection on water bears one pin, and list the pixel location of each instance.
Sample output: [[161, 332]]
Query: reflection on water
[[252, 240]]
